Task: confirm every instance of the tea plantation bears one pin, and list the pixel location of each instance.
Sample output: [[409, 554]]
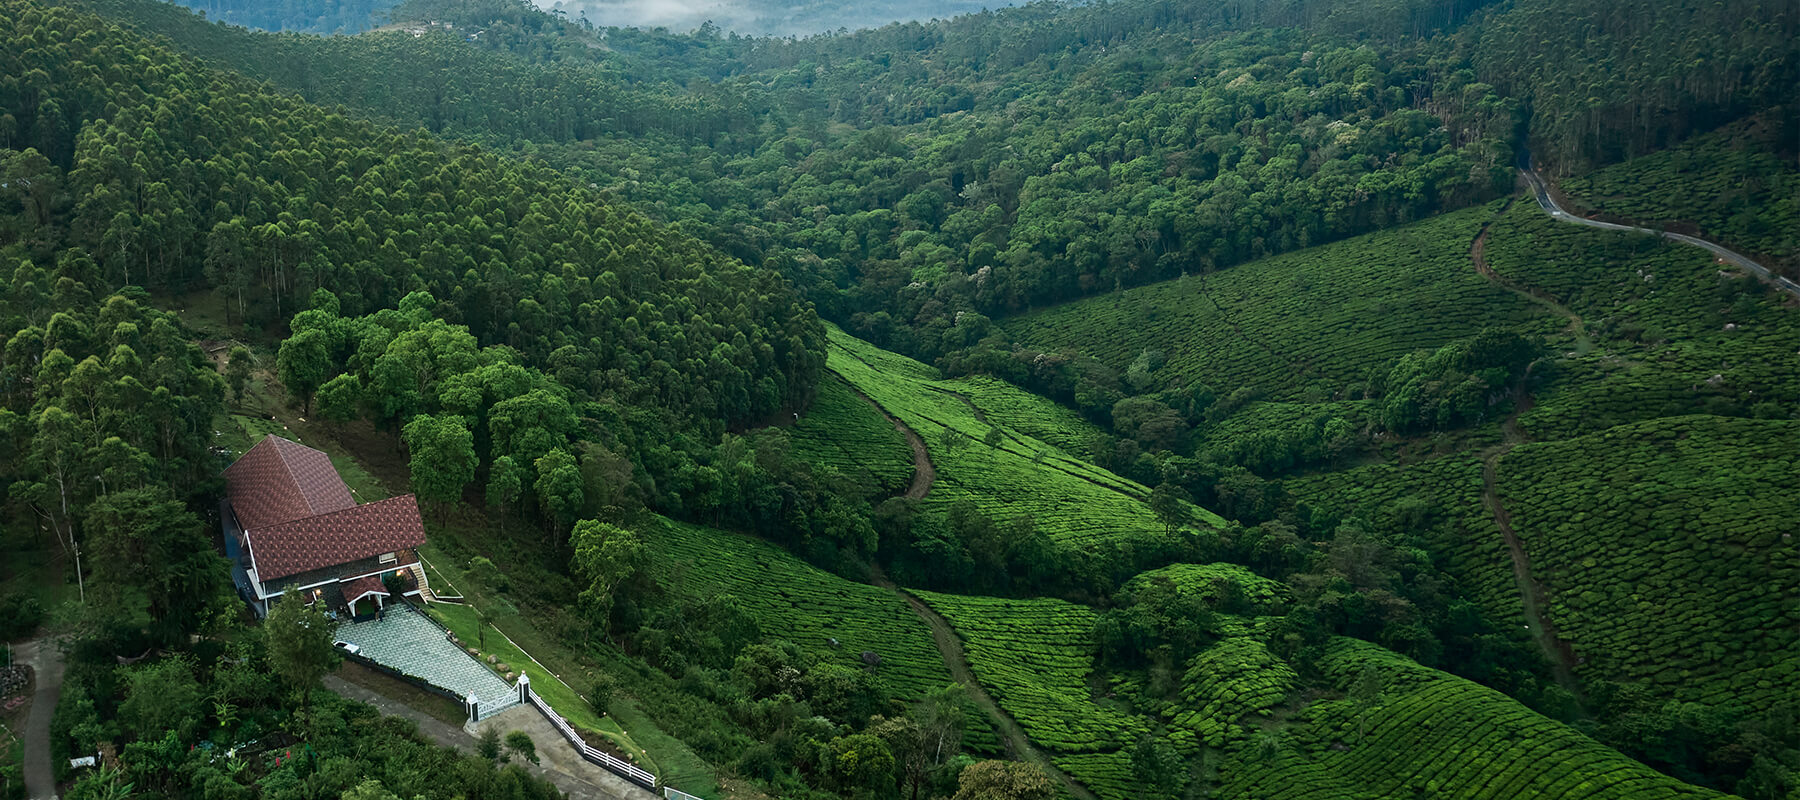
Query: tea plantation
[[795, 601], [1035, 657], [1438, 501], [1669, 548], [1004, 470], [844, 432], [1319, 319], [1727, 182], [1426, 733]]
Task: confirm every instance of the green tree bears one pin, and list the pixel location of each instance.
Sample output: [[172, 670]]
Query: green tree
[[1366, 694], [304, 363], [144, 543], [1155, 762], [162, 697], [299, 639], [506, 480], [1171, 504], [859, 763], [519, 744], [1004, 780], [605, 556], [237, 372], [487, 745], [370, 789], [442, 453], [558, 490]]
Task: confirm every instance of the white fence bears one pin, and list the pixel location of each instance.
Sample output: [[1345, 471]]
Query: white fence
[[673, 793], [614, 764]]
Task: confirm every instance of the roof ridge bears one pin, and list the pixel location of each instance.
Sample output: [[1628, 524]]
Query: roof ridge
[[341, 510], [281, 454]]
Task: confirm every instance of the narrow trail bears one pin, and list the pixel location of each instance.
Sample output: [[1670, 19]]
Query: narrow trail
[[1531, 591], [1477, 253], [924, 474], [1012, 737]]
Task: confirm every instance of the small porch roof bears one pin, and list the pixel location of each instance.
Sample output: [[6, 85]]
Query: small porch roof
[[356, 590]]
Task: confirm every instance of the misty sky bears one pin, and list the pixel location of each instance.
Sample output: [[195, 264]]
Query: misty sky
[[756, 17]]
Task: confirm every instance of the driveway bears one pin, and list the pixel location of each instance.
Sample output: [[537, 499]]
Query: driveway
[[46, 663], [406, 641]]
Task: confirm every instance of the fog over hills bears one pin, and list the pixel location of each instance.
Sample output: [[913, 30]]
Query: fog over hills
[[764, 17]]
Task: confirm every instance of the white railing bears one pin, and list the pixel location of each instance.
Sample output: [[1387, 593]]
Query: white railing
[[612, 763], [673, 793]]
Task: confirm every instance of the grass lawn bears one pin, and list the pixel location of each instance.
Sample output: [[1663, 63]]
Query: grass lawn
[[627, 725], [467, 625]]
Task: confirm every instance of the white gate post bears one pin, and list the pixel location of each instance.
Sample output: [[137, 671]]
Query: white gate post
[[524, 687], [474, 708]]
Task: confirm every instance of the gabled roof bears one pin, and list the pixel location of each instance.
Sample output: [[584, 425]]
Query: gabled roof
[[281, 481], [338, 537], [363, 587]]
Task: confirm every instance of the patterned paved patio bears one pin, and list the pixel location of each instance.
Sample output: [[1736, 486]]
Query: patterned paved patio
[[405, 640]]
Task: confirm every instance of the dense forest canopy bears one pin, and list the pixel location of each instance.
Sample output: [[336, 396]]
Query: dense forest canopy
[[1191, 383]]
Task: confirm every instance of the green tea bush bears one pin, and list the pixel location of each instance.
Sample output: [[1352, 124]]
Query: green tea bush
[[1319, 318], [1035, 657], [1234, 678], [1726, 182], [1425, 733], [1074, 502], [1668, 550], [797, 602], [844, 432]]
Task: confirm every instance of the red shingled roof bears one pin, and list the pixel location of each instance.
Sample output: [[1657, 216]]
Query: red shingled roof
[[339, 537], [281, 481], [356, 589]]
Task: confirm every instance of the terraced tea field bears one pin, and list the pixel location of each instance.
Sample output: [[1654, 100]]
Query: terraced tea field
[[1071, 500], [1674, 343], [1668, 548], [1431, 734], [844, 432], [1736, 191], [1233, 679], [1320, 318], [1030, 414], [1035, 657], [800, 603]]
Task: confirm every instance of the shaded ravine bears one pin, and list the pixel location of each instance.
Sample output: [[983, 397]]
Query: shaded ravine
[[1012, 737]]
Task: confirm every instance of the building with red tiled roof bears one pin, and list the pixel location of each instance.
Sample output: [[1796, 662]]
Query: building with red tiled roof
[[292, 525]]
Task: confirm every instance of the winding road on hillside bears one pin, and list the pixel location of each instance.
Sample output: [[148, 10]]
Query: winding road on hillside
[[1541, 190]]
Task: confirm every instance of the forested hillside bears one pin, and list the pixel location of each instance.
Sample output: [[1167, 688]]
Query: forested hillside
[[1123, 400]]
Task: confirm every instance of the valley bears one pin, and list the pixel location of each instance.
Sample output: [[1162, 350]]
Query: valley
[[1111, 401]]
